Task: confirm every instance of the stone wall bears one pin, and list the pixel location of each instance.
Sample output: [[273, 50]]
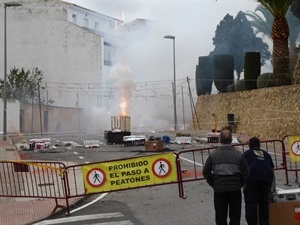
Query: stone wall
[[268, 112]]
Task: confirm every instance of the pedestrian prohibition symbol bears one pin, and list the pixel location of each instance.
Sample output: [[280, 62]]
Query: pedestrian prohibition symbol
[[296, 148], [161, 167], [96, 177]]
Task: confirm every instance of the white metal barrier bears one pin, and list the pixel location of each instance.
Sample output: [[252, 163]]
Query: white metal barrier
[[183, 140], [91, 143]]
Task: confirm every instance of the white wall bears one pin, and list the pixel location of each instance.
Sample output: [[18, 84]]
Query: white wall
[[13, 116], [104, 26], [39, 35]]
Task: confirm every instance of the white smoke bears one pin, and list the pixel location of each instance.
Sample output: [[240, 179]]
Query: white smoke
[[122, 80], [145, 77]]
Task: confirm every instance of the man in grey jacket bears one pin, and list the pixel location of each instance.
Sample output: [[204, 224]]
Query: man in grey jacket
[[226, 170]]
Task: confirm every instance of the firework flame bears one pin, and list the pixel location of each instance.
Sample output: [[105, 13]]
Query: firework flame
[[122, 78], [123, 106]]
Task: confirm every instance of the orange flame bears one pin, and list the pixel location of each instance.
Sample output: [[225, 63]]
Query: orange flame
[[123, 106]]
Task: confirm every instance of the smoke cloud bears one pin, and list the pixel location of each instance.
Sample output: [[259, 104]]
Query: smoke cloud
[[122, 80], [146, 77]]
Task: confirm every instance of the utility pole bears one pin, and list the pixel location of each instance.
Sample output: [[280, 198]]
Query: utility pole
[[40, 107], [193, 106], [183, 108]]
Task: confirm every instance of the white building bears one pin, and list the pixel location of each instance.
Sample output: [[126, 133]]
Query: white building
[[71, 45], [75, 48]]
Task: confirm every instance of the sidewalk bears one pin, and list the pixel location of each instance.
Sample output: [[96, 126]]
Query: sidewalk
[[21, 211]]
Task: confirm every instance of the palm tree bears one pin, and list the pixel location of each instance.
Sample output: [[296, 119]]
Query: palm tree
[[262, 20], [295, 8], [280, 35]]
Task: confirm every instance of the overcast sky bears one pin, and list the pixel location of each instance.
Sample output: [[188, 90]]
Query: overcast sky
[[192, 22], [185, 10]]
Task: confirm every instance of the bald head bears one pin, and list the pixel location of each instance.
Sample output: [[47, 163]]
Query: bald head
[[225, 137]]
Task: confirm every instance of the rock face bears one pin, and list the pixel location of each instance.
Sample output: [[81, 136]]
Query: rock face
[[268, 112]]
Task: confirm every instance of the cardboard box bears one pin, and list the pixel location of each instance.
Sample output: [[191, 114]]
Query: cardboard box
[[156, 145], [285, 213], [285, 210]]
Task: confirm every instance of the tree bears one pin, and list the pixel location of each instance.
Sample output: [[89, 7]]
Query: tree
[[280, 34], [222, 35], [262, 20], [235, 36], [23, 85], [295, 8]]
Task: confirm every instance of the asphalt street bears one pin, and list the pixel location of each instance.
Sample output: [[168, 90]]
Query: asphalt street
[[158, 205]]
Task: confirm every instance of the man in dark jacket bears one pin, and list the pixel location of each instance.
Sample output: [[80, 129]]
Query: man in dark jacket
[[259, 183], [226, 170]]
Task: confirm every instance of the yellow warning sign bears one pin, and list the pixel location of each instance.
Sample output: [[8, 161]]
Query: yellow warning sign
[[129, 173], [294, 148]]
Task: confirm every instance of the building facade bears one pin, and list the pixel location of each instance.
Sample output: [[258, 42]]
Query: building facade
[[74, 48]]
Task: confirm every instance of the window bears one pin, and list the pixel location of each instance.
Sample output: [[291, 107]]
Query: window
[[74, 18], [108, 53]]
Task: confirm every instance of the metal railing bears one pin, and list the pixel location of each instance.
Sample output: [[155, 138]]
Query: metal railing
[[190, 162], [55, 180], [33, 180]]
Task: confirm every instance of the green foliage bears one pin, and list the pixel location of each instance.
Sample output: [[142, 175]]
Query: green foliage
[[240, 85], [23, 85], [17, 83], [223, 71], [231, 88], [280, 33], [235, 36], [223, 35], [262, 19], [252, 69], [204, 75], [264, 80], [277, 8]]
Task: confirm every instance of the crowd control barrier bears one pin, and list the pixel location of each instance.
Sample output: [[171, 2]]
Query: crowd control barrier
[[34, 180], [190, 162], [55, 180]]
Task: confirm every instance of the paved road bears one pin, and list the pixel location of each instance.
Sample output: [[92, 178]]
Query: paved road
[[84, 155], [158, 205], [144, 206], [108, 213]]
